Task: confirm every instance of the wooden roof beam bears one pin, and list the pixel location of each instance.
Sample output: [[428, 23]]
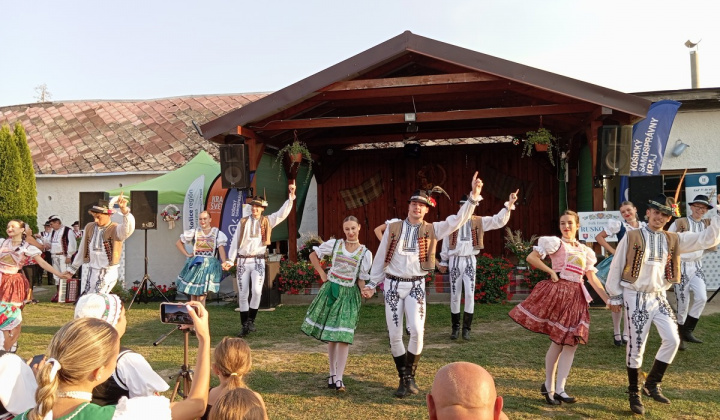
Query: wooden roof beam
[[421, 117], [433, 135], [439, 79]]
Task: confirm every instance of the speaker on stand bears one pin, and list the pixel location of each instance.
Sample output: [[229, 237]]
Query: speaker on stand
[[88, 199], [643, 188], [234, 166], [144, 207]]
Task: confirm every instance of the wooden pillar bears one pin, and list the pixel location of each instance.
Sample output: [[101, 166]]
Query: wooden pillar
[[291, 170], [591, 135]]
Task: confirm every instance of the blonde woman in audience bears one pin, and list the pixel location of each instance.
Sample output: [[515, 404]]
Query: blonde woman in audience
[[83, 355], [239, 404], [232, 363]]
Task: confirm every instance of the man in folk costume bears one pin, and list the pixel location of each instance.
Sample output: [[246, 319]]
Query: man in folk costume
[[692, 277], [646, 264], [459, 252], [101, 247], [249, 245], [405, 255], [62, 246]]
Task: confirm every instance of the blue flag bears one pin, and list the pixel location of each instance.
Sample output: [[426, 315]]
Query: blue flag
[[649, 140], [650, 137]]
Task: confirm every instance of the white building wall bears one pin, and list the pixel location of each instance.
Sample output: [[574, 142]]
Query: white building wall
[[700, 129]]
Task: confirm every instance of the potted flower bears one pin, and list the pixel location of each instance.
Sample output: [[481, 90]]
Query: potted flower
[[290, 157], [521, 248], [541, 140]]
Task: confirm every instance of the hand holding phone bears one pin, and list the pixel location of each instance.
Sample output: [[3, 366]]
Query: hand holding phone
[[175, 313]]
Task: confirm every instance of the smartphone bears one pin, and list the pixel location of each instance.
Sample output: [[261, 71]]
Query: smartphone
[[36, 360], [174, 313]]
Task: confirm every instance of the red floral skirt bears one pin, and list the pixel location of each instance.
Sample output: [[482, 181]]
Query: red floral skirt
[[556, 309], [13, 288]]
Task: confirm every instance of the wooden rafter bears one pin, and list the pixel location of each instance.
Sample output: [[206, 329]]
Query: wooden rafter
[[392, 82], [427, 117]]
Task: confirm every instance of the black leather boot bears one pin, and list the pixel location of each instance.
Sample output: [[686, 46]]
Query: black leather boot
[[686, 333], [652, 382], [411, 363], [682, 345], [455, 326], [467, 322], [402, 390], [634, 397], [244, 321], [251, 319]]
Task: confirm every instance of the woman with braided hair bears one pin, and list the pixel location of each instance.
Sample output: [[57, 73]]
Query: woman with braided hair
[[333, 315], [83, 354]]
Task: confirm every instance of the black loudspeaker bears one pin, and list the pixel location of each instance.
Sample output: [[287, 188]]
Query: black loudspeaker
[[643, 188], [144, 206], [411, 150], [234, 166], [87, 200], [615, 144]]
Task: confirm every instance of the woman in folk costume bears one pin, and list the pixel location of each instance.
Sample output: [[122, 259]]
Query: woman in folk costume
[[558, 307], [15, 251], [333, 314], [614, 227], [83, 354], [202, 271]]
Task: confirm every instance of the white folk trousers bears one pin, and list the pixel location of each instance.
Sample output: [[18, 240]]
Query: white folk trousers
[[692, 280], [405, 298], [642, 310], [462, 277], [250, 273]]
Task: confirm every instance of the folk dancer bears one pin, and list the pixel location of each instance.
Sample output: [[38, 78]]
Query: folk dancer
[[558, 306], [249, 246], [405, 255], [692, 277], [459, 252], [62, 246], [101, 247], [646, 264], [202, 271], [615, 227]]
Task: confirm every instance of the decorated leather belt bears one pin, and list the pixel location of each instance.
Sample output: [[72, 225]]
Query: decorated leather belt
[[391, 277], [58, 253], [252, 256]]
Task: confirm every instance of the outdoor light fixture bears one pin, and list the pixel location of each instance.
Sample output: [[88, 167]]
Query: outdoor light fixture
[[679, 148], [410, 117], [412, 128]]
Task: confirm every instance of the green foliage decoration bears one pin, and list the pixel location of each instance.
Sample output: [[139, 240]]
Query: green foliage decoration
[[493, 279], [11, 205]]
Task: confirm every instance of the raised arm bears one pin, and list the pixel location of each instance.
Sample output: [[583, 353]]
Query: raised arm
[[453, 222]]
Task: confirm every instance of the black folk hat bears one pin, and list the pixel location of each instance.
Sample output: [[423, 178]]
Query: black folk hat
[[702, 199], [665, 205], [102, 207], [422, 196], [54, 218], [463, 199], [258, 201]]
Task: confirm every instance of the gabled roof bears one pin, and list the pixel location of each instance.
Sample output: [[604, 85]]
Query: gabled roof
[[455, 92], [84, 137]]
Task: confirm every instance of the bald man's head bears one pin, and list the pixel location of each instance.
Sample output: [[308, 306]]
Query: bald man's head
[[463, 390]]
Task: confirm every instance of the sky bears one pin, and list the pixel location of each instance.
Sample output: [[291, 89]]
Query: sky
[[90, 50]]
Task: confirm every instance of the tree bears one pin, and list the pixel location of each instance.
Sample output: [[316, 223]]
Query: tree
[[27, 193], [10, 205], [18, 195]]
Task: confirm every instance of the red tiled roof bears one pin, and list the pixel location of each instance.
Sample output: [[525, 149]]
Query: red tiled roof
[[79, 137]]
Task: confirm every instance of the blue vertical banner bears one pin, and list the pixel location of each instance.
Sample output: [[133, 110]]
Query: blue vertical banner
[[650, 138], [649, 141]]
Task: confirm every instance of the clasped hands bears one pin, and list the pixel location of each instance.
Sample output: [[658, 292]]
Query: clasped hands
[[367, 292]]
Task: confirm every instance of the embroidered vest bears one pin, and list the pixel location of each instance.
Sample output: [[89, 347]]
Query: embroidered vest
[[683, 225], [111, 243], [64, 242], [636, 251], [476, 230], [265, 229], [427, 243], [110, 391]]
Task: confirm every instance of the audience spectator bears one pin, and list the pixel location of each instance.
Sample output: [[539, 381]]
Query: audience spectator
[[239, 404], [17, 386], [232, 363], [83, 354], [464, 390], [133, 376]]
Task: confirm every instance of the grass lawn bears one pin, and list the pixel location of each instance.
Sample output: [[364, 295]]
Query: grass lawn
[[289, 368]]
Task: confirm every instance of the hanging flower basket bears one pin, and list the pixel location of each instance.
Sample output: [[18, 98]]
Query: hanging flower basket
[[170, 214], [541, 147]]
